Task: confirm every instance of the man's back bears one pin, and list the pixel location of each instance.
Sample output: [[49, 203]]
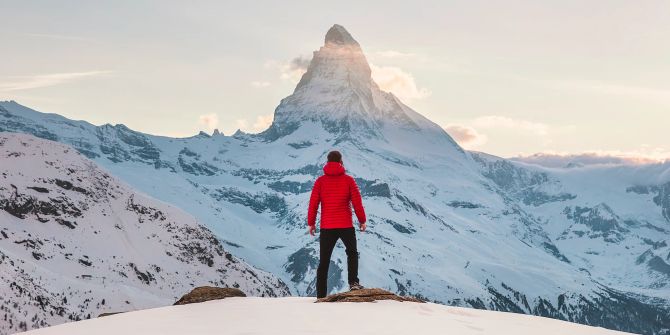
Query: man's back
[[335, 191]]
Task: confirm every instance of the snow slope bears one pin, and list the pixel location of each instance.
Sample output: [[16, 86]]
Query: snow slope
[[76, 242], [252, 316], [460, 228]]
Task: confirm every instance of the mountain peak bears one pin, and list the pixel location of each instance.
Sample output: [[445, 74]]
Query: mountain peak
[[338, 93], [338, 35]]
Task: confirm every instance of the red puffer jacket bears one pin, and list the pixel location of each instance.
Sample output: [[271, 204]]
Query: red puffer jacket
[[335, 191]]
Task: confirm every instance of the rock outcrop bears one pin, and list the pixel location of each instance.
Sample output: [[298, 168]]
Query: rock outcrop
[[366, 295], [109, 314], [207, 293]]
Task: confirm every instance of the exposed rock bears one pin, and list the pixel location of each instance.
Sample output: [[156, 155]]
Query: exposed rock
[[366, 295], [108, 314], [338, 35], [207, 293]]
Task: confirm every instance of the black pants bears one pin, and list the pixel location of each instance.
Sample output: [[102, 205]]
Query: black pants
[[327, 240]]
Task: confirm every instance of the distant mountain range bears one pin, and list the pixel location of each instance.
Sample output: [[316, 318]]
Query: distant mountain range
[[585, 244]]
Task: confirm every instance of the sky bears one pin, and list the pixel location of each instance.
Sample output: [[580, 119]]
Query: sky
[[508, 78]]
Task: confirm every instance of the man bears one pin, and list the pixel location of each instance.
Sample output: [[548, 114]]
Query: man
[[336, 192]]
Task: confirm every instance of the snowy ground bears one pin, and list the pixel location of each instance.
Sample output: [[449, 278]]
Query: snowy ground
[[301, 316]]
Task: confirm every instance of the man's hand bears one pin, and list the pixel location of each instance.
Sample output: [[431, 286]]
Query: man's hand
[[311, 229], [363, 227]]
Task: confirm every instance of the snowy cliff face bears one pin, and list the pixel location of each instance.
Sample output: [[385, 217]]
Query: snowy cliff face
[[75, 242], [459, 228]]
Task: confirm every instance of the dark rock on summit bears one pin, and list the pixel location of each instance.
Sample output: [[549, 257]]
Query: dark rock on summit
[[207, 293], [366, 295], [338, 35]]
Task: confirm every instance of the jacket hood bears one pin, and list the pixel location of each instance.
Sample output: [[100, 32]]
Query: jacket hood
[[333, 169]]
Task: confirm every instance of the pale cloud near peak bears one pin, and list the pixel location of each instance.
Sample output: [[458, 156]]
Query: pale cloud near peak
[[498, 122], [18, 83], [210, 121], [394, 54], [476, 133], [422, 62], [300, 62], [598, 87], [261, 123], [242, 124], [389, 78], [467, 137], [399, 82], [607, 88], [260, 84], [291, 70]]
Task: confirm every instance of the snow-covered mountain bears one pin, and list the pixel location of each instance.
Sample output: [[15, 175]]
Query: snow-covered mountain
[[294, 315], [76, 242], [587, 244], [337, 94]]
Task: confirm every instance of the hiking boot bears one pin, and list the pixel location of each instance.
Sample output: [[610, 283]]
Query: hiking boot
[[355, 286]]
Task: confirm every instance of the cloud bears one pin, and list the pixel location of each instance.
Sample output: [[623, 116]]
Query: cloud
[[475, 133], [261, 123], [608, 88], [242, 124], [291, 70], [641, 156], [388, 78], [497, 122], [400, 83], [655, 94], [17, 83], [467, 137], [260, 84], [394, 54], [211, 121], [59, 37], [300, 63]]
